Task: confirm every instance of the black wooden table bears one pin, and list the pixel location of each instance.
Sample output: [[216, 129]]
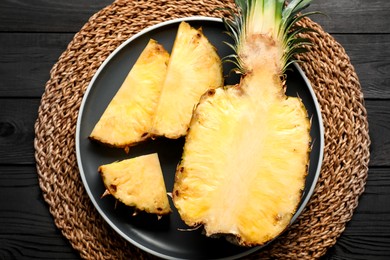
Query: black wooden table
[[33, 34]]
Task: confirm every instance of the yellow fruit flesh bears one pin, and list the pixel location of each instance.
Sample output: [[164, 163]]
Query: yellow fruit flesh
[[137, 182], [245, 160], [159, 94], [128, 117], [194, 67]]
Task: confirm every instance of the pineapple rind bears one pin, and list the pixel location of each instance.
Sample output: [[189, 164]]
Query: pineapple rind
[[137, 182], [127, 119]]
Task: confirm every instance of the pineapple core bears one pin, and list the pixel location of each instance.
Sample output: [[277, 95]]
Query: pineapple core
[[137, 182]]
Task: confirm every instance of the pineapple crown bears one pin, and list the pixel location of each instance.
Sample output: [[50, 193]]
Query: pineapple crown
[[275, 18]]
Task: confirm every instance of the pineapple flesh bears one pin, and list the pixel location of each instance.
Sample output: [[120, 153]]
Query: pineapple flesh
[[194, 67], [159, 94], [246, 154], [128, 117], [137, 182]]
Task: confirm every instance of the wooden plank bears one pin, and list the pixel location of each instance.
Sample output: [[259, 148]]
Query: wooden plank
[[27, 228], [46, 15], [30, 56], [370, 55], [69, 16], [17, 117], [379, 127], [354, 16], [367, 234]]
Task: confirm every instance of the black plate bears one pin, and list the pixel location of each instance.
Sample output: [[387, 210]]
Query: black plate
[[162, 238]]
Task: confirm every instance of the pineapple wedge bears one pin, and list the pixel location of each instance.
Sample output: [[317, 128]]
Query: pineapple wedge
[[159, 94], [194, 67], [246, 154], [129, 116], [137, 182]]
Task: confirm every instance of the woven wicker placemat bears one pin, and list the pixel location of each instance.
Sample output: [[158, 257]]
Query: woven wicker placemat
[[345, 165]]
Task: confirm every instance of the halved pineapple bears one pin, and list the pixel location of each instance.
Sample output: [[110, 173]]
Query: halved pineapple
[[246, 154], [194, 67], [244, 165], [137, 182], [128, 117]]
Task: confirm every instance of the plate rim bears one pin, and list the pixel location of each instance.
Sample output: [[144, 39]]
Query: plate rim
[[321, 145], [79, 121]]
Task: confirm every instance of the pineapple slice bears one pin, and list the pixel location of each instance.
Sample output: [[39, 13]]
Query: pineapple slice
[[246, 154], [194, 67], [160, 92], [128, 117], [137, 182]]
